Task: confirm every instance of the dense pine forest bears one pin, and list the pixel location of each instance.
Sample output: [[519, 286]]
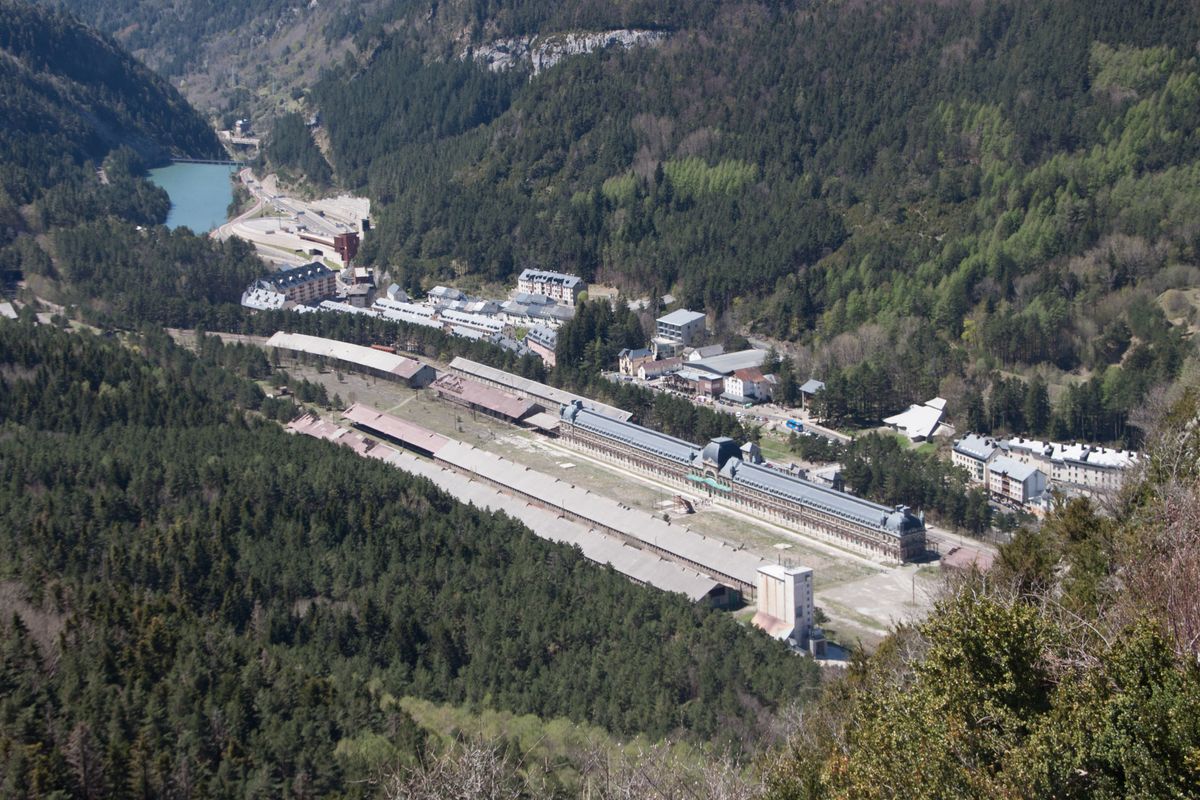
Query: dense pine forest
[[223, 604]]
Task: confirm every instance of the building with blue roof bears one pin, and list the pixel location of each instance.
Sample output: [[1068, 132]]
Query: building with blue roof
[[720, 470]]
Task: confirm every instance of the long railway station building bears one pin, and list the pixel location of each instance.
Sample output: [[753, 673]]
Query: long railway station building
[[719, 470]]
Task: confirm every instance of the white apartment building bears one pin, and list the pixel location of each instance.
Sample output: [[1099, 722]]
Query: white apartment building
[[1082, 467], [1009, 479], [973, 453], [680, 327], [558, 286]]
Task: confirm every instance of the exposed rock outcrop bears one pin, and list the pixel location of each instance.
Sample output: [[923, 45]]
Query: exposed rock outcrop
[[545, 50]]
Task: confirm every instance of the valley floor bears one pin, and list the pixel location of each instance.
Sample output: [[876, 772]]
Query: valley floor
[[862, 598]]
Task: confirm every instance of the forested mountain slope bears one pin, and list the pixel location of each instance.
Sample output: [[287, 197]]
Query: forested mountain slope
[[963, 187], [257, 57], [70, 101], [66, 91], [73, 102], [224, 605]]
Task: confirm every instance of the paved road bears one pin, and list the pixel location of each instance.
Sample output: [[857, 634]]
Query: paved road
[[781, 415], [247, 177]]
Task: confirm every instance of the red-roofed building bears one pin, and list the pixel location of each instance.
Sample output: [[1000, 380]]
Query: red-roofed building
[[480, 397], [400, 431]]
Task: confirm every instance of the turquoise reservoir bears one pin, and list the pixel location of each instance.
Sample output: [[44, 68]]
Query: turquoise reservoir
[[200, 194]]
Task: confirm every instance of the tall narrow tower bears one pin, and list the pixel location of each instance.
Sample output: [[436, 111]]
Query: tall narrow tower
[[785, 602]]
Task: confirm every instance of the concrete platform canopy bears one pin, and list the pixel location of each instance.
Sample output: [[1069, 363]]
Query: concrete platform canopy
[[401, 431], [736, 568]]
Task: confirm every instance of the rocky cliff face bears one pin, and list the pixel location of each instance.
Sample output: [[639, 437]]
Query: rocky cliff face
[[544, 51]]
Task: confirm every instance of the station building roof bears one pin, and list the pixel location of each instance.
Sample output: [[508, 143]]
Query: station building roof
[[644, 439], [819, 498]]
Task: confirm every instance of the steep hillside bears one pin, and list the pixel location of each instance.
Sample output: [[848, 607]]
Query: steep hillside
[[69, 98], [258, 57], [68, 90], [1069, 671], [960, 187]]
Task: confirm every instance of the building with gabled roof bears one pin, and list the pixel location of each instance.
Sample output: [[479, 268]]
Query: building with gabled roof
[[718, 470], [356, 357], [443, 295], [549, 397], [542, 341], [1009, 479], [629, 359], [727, 364], [973, 453], [706, 351], [919, 422], [304, 284], [748, 384], [480, 397], [261, 296], [649, 370], [1076, 467]]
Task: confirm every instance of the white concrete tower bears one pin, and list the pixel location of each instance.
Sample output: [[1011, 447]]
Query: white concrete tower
[[785, 602]]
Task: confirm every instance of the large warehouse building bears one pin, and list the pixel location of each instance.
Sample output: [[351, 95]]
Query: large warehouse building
[[719, 470], [549, 397], [356, 357], [636, 563]]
